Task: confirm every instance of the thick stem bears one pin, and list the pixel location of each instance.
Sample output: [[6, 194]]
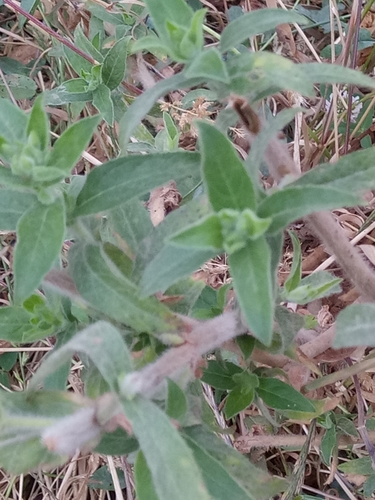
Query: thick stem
[[349, 258]]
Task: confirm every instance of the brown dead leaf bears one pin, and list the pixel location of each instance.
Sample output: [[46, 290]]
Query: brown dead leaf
[[284, 31], [162, 201]]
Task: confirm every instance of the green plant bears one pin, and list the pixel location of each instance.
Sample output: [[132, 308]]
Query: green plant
[[103, 308]]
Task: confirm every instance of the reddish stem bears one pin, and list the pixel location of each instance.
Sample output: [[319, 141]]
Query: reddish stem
[[50, 31]]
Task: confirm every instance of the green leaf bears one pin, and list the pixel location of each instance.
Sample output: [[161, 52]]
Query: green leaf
[[295, 274], [328, 445], [142, 105], [40, 235], [176, 401], [114, 64], [227, 473], [250, 269], [170, 265], [256, 22], [13, 204], [22, 87], [85, 45], [24, 415], [144, 486], [315, 286], [122, 179], [210, 65], [101, 99], [117, 442], [263, 73], [102, 479], [282, 396], [70, 145], [355, 326], [176, 11], [15, 326], [170, 454], [328, 73], [38, 123], [369, 486], [269, 130], [237, 400], [115, 295], [13, 123], [292, 203], [74, 90], [289, 325], [102, 343], [228, 184], [360, 466], [240, 227], [220, 375], [131, 222], [205, 235], [246, 343], [77, 62], [353, 172]]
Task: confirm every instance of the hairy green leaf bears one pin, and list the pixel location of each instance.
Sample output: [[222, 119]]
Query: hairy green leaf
[[353, 172], [208, 64], [228, 184], [142, 105], [293, 202], [69, 146], [171, 264], [355, 326], [101, 99], [170, 454], [227, 473], [176, 401], [250, 269], [38, 123], [131, 222], [13, 204], [253, 23], [205, 235], [13, 123], [102, 343], [40, 235], [143, 479], [328, 73], [313, 287], [15, 326], [114, 64], [120, 180], [115, 295]]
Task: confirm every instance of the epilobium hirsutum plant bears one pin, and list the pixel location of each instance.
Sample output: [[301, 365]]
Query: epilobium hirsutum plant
[[103, 305]]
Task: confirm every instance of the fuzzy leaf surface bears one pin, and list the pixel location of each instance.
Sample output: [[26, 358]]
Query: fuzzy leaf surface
[[114, 295], [228, 184], [254, 23], [227, 473], [250, 269], [120, 180], [172, 454], [13, 204], [40, 233], [102, 343], [292, 203]]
